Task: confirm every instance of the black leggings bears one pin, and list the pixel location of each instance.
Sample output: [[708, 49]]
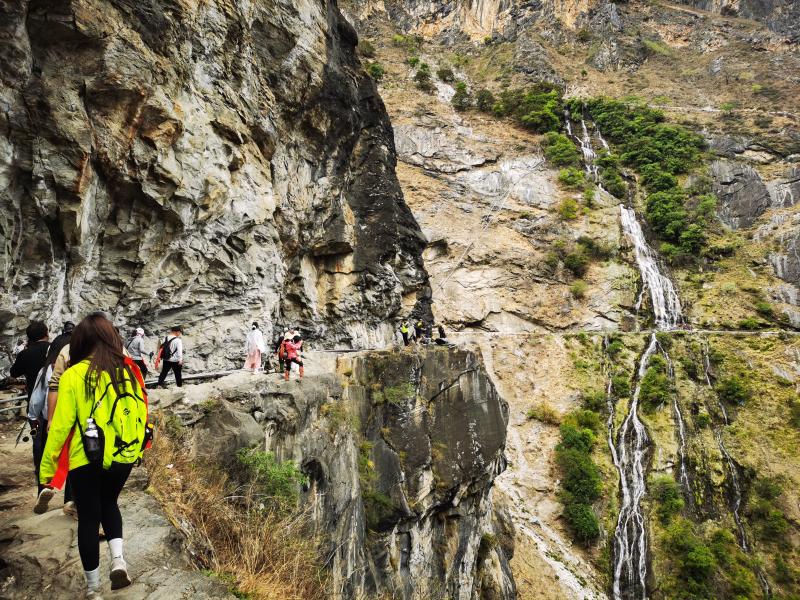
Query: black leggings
[[96, 491], [165, 368], [288, 363]]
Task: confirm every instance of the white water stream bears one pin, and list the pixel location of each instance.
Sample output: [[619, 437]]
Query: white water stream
[[630, 537]]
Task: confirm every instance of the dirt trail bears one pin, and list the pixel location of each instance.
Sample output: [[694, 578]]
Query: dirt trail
[[39, 554]]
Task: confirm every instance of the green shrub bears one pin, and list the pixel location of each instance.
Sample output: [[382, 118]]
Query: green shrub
[[702, 420], [621, 385], [278, 482], [768, 488], [794, 413], [560, 150], [578, 288], [656, 47], [571, 178], [655, 387], [446, 74], [594, 400], [596, 250], [666, 491], [765, 309], [413, 61], [694, 560], [484, 100], [423, 78], [580, 476], [585, 419], [568, 209], [582, 521], [750, 324], [537, 107], [588, 196], [461, 100], [366, 48], [577, 262], [400, 393], [614, 348], [575, 438], [376, 70], [733, 390]]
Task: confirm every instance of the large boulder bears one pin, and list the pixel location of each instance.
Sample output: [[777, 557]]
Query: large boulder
[[743, 196]]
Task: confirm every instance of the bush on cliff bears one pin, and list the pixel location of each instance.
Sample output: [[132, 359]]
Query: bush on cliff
[[560, 150], [581, 481]]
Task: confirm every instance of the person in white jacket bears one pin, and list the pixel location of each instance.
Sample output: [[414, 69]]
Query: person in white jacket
[[253, 348]]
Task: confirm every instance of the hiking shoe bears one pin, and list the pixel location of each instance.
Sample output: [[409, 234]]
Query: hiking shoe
[[43, 500], [119, 573], [70, 510], [93, 595]]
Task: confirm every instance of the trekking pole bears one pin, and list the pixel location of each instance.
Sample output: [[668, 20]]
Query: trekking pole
[[21, 432]]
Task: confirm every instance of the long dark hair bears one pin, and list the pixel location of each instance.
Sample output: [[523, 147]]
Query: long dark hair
[[96, 338]]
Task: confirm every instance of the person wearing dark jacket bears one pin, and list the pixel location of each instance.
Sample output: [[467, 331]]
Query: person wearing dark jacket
[[28, 364], [31, 360]]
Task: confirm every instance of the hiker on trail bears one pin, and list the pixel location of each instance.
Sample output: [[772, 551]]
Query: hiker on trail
[[419, 330], [253, 348], [101, 418], [442, 339], [279, 352], [31, 360], [137, 352], [29, 363], [293, 356], [18, 348], [171, 353], [42, 404], [404, 332]]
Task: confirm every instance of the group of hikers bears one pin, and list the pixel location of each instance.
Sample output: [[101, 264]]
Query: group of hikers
[[422, 333], [87, 412], [288, 348]]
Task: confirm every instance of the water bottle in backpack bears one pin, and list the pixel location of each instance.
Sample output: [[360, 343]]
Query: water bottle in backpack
[[93, 442]]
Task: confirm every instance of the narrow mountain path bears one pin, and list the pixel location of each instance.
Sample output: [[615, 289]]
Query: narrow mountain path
[[39, 553]]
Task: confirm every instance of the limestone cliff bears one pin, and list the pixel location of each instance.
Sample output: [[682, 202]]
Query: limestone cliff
[[401, 450], [204, 164]]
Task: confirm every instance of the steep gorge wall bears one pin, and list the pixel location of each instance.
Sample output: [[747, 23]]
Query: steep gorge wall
[[401, 450], [205, 164]]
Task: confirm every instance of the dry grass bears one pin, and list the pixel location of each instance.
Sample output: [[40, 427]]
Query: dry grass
[[545, 413], [264, 555]]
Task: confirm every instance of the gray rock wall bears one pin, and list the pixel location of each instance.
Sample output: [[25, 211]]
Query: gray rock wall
[[401, 451], [206, 164]]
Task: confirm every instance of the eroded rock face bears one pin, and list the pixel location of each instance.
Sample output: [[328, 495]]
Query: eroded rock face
[[743, 197], [203, 164], [782, 16], [401, 452]]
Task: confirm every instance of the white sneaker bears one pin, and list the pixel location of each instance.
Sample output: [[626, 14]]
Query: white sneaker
[[43, 500], [70, 510], [93, 595], [119, 573]]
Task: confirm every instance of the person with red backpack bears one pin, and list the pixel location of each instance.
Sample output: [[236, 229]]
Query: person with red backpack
[[293, 349], [171, 355]]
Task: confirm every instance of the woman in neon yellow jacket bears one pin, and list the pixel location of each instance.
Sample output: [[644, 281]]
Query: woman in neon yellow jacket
[[101, 413]]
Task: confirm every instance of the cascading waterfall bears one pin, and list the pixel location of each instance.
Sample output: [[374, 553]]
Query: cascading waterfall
[[588, 152], [630, 537]]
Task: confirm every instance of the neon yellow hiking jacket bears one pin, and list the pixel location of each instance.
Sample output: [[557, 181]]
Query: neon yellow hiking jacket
[[74, 406]]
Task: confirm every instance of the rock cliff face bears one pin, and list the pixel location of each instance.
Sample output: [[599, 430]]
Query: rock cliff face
[[206, 164], [401, 449], [782, 16]]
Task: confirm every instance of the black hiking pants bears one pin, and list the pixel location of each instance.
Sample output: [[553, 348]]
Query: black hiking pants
[[165, 369], [39, 440], [96, 493], [142, 367]]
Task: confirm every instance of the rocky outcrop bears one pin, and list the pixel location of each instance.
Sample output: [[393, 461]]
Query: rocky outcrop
[[785, 192], [401, 451], [781, 16], [743, 197], [203, 164]]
